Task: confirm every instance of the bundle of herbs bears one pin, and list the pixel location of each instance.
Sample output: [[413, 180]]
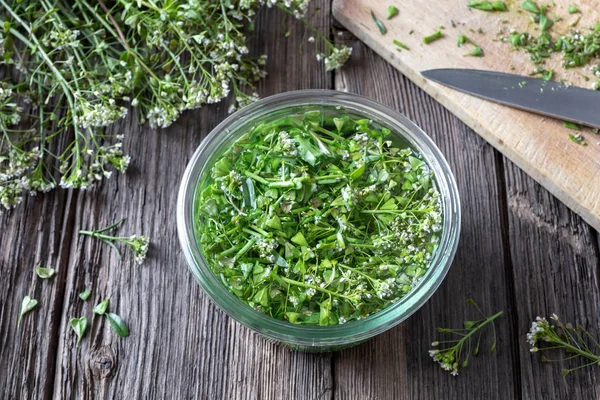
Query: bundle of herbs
[[71, 69], [319, 218]]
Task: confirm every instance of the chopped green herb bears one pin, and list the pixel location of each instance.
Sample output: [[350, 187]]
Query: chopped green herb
[[480, 31], [573, 9], [27, 305], [401, 45], [530, 6], [431, 38], [45, 273], [462, 39], [572, 126], [101, 307], [392, 12], [545, 23], [85, 294], [79, 325], [379, 24], [577, 138], [309, 217], [547, 75], [453, 23], [522, 84], [477, 52], [118, 325], [411, 32], [488, 5]]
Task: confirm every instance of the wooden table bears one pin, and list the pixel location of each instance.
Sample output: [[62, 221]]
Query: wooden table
[[521, 251]]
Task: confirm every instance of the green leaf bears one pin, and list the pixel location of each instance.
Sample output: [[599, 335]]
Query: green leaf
[[274, 222], [27, 305], [488, 5], [339, 123], [573, 9], [262, 297], [462, 39], [392, 11], [572, 126], [379, 24], [101, 307], [358, 172], [299, 239], [45, 273], [530, 6], [545, 23], [85, 294], [117, 325], [79, 325], [292, 316], [325, 312], [477, 52]]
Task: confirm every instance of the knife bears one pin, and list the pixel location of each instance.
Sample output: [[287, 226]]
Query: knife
[[557, 100]]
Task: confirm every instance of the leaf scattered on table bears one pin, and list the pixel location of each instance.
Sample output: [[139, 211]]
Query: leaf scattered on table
[[118, 325], [45, 273], [392, 12], [572, 126], [27, 305], [85, 294], [433, 37], [79, 325], [101, 307]]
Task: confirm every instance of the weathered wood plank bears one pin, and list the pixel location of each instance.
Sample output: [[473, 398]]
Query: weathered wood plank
[[396, 364], [180, 346], [37, 233], [554, 257]]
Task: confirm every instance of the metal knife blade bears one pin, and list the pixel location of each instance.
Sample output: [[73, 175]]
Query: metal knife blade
[[554, 99]]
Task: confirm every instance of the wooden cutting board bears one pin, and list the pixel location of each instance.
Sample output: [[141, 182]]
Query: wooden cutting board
[[537, 144]]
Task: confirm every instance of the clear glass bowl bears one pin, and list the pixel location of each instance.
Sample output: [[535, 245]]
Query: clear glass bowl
[[305, 337]]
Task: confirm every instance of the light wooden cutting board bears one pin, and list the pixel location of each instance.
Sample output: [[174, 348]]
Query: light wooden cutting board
[[537, 144]]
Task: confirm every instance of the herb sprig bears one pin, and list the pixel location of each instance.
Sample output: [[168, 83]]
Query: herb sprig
[[81, 66], [318, 218], [136, 243], [455, 356], [554, 335]]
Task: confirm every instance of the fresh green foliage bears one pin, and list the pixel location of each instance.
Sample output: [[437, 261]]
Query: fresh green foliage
[[401, 45], [317, 217], [577, 138], [462, 40], [573, 9], [27, 305], [74, 68], [101, 307], [572, 126], [454, 356], [530, 6], [137, 244], [575, 342], [392, 12], [79, 325], [45, 273], [85, 294], [379, 24], [488, 5], [477, 52], [117, 325], [433, 37]]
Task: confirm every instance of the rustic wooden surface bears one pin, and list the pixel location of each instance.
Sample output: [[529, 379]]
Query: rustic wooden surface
[[538, 145], [521, 251]]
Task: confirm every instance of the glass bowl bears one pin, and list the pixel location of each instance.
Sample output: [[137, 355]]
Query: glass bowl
[[308, 337]]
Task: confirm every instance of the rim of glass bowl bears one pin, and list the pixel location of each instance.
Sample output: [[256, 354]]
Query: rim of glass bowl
[[309, 335]]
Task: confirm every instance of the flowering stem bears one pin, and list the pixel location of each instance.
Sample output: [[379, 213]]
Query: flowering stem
[[574, 349]]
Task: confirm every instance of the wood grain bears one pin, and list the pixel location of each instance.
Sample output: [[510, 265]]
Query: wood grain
[[554, 257], [396, 364], [538, 145]]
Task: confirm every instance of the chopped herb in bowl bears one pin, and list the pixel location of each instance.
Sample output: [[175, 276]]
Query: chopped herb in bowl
[[319, 217]]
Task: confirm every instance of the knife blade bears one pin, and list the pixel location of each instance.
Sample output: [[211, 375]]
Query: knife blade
[[557, 100]]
